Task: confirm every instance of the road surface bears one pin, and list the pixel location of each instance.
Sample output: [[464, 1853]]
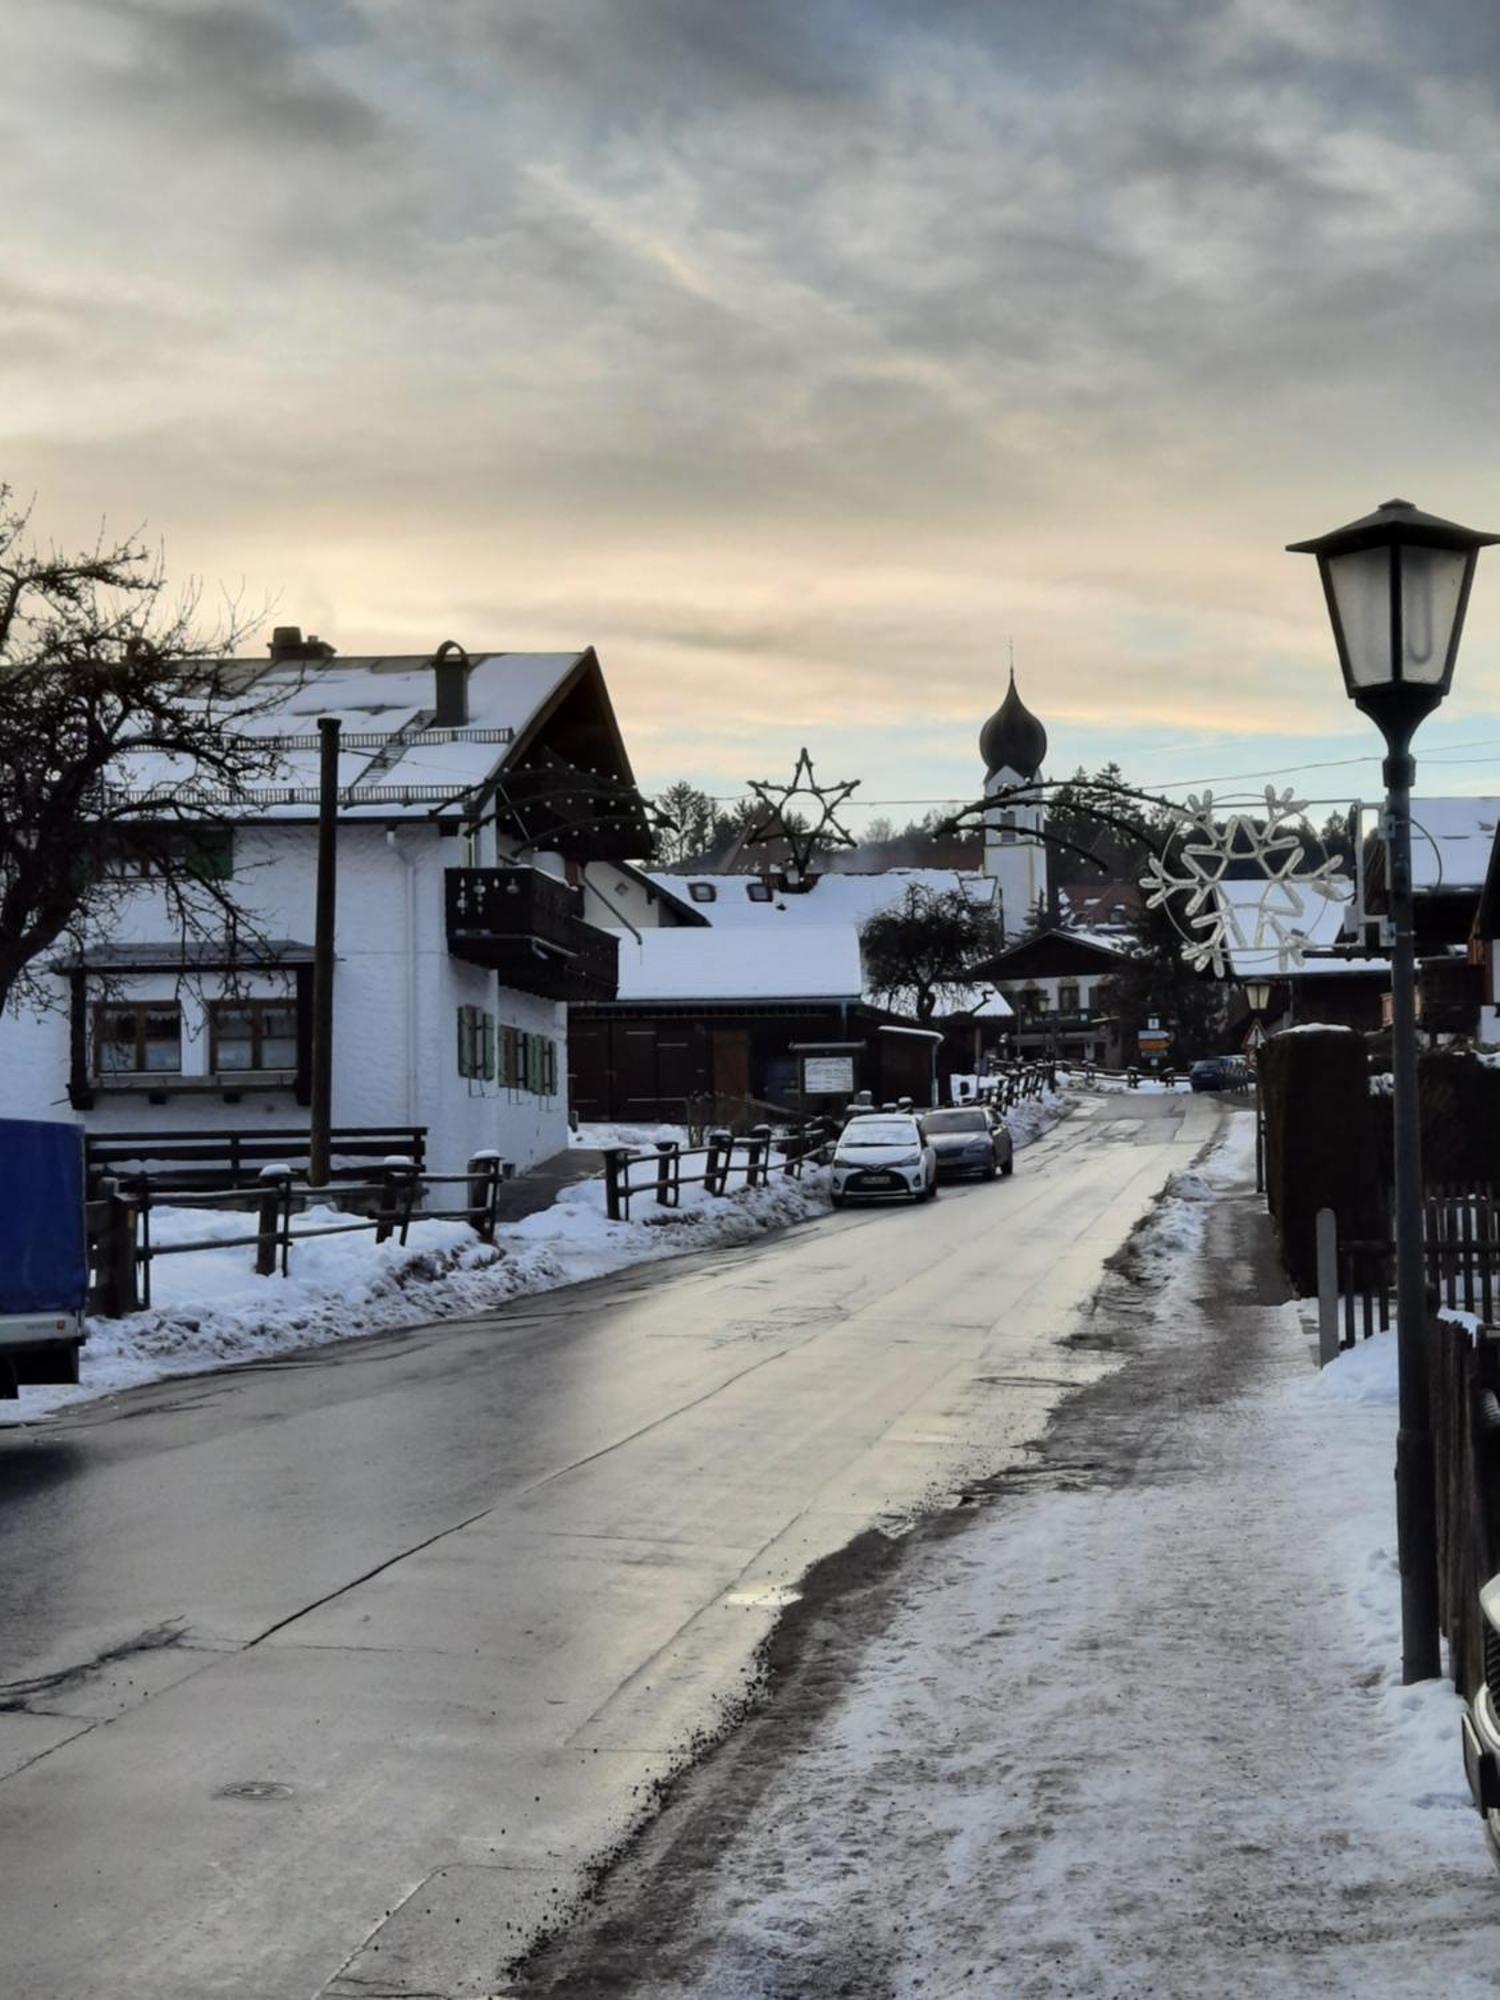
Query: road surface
[[329, 1676]]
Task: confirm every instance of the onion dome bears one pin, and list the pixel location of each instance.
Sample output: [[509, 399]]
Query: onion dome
[[1013, 739]]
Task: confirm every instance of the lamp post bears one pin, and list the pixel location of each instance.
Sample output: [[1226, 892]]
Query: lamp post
[[1397, 587]]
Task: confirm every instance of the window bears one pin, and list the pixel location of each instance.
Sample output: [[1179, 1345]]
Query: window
[[252, 1035], [1007, 829], [1067, 998], [142, 852], [758, 892], [139, 1038], [703, 892], [476, 1044]]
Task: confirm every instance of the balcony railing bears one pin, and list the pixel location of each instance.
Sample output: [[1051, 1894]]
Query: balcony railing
[[525, 925]]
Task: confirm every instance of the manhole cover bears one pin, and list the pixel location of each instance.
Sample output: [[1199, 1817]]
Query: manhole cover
[[254, 1788]]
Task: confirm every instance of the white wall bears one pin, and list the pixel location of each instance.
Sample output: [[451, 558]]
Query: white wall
[[1019, 864], [396, 996]]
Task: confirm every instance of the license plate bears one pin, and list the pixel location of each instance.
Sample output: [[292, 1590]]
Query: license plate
[[881, 1180]]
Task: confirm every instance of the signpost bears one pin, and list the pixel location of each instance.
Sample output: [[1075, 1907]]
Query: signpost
[[828, 1076]]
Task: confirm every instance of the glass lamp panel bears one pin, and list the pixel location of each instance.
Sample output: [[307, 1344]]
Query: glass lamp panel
[[1361, 585], [1432, 582]]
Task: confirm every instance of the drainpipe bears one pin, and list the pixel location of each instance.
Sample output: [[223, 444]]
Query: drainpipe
[[408, 861]]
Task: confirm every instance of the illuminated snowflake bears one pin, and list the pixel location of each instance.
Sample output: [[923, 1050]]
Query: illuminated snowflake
[[1186, 881]]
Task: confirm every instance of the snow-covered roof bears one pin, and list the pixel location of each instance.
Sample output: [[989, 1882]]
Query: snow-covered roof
[[1451, 840], [811, 963], [396, 760], [833, 899], [1264, 920]]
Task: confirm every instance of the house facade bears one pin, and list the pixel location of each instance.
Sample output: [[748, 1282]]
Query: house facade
[[472, 793], [742, 988]]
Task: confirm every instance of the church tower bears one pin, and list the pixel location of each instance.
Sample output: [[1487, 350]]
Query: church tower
[[1013, 745]]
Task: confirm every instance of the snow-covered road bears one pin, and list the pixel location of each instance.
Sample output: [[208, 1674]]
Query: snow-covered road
[[332, 1674]]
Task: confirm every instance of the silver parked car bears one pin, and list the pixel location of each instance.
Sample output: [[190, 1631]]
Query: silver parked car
[[970, 1140], [881, 1156]]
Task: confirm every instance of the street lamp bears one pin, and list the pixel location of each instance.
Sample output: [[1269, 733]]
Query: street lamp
[[1397, 585], [1257, 995]]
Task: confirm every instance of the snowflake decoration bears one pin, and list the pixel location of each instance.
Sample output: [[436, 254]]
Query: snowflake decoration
[[1186, 885], [778, 822]]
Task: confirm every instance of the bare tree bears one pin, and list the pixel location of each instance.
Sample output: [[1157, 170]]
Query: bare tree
[[921, 951], [123, 749]]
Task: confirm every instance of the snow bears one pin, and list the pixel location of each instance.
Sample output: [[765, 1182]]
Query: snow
[[1138, 1731], [833, 899], [506, 692], [694, 964], [1451, 842]]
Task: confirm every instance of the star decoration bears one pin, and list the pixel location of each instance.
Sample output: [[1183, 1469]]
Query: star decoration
[[804, 836], [1186, 884]]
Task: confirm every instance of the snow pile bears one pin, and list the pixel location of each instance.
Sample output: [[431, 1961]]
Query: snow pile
[[601, 1138]]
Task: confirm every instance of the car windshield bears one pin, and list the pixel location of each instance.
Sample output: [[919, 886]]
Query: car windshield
[[879, 1132], [956, 1121]]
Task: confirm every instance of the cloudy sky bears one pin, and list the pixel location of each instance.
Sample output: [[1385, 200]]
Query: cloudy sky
[[800, 354]]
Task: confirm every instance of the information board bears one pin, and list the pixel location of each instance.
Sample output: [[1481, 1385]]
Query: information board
[[828, 1076]]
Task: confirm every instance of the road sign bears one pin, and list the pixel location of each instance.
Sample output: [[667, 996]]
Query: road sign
[[1255, 1034]]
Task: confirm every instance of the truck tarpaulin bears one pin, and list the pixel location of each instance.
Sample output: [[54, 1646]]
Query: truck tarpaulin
[[44, 1261]]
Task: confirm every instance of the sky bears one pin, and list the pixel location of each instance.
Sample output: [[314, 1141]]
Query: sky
[[804, 356]]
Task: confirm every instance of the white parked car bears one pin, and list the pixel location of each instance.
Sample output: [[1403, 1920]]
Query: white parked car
[[884, 1156]]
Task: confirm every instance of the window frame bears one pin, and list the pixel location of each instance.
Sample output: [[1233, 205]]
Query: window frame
[[703, 892], [140, 1009], [257, 1006]]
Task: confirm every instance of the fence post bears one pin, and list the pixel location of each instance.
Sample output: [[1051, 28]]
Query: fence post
[[716, 1166], [666, 1150], [760, 1155], [484, 1193], [398, 1177], [617, 1183], [274, 1182], [1132, 1079], [1328, 1286], [117, 1279]]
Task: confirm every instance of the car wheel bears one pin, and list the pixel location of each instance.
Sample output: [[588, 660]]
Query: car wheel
[[932, 1189], [837, 1200], [1010, 1165], [990, 1171]]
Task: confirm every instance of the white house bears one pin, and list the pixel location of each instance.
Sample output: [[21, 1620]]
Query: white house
[[472, 791]]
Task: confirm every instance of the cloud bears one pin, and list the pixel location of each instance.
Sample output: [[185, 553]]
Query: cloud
[[798, 354]]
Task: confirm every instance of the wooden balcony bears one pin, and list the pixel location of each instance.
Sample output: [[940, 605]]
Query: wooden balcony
[[525, 926]]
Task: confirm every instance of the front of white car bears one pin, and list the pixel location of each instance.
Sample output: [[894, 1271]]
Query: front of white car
[[883, 1158]]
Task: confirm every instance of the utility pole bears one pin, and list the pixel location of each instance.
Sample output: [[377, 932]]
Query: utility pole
[[319, 1135]]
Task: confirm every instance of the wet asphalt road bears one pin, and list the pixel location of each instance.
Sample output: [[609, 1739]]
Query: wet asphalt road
[[327, 1676]]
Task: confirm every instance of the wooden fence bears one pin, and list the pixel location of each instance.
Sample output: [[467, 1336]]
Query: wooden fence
[[120, 1235], [1463, 1376], [225, 1157], [664, 1178], [1461, 1248]]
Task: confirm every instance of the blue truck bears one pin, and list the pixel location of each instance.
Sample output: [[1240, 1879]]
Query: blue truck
[[44, 1252]]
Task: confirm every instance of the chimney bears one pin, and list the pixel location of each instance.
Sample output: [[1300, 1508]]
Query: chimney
[[450, 679], [287, 643]]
